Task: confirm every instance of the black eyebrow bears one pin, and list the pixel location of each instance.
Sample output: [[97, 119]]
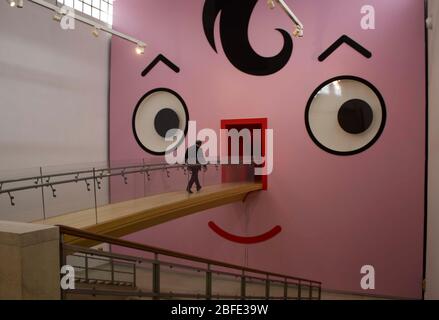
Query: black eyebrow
[[163, 59], [350, 42]]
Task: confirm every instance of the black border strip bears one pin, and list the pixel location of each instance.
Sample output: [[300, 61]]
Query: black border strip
[[427, 106], [350, 42], [163, 59]]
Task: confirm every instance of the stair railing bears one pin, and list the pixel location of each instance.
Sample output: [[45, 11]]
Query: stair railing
[[305, 289]]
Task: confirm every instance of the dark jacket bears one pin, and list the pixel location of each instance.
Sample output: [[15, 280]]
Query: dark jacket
[[194, 156]]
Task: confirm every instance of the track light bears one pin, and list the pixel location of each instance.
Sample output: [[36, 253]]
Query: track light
[[57, 17], [271, 4], [96, 30], [60, 13], [298, 31], [140, 49]]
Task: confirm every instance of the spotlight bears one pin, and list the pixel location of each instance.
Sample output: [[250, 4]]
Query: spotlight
[[12, 3], [271, 4], [19, 3], [57, 17], [59, 14], [140, 49], [96, 31], [298, 32]]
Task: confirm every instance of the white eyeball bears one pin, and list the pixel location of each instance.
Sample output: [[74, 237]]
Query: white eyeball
[[158, 113], [345, 115]]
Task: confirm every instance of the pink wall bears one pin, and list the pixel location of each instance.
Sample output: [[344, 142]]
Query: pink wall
[[337, 213]]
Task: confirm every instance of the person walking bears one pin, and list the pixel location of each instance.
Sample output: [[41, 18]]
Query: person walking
[[194, 160]]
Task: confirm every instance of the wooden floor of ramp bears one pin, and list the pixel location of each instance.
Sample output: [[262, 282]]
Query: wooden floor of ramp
[[127, 217]]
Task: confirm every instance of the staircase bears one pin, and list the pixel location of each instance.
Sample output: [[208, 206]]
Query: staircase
[[137, 271]]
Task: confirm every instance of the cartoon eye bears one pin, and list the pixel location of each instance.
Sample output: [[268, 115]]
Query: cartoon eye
[[159, 112], [345, 115]]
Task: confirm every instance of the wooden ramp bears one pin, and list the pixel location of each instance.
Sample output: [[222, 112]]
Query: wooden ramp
[[127, 217]]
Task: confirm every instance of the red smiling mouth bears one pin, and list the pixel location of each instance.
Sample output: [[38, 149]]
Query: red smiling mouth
[[245, 240]]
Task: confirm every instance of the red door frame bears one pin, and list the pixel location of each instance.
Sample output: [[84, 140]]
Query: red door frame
[[263, 123]]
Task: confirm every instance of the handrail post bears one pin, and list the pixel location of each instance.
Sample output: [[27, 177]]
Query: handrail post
[[286, 289], [320, 292], [267, 287], [42, 195], [156, 278], [208, 283], [134, 274], [310, 290], [95, 195], [299, 293], [144, 177], [243, 285], [110, 249], [62, 259], [86, 268]]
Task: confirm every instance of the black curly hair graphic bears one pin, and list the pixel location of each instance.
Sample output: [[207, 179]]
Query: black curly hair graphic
[[234, 24]]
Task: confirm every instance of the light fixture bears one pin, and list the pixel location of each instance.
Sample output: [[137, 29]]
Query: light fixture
[[19, 3], [298, 31], [96, 31], [140, 49], [271, 4], [57, 16], [12, 3], [59, 13]]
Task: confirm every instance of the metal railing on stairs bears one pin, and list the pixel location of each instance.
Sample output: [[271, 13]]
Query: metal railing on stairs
[[119, 273]]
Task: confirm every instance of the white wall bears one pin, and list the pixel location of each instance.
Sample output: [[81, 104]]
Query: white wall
[[53, 91], [432, 291], [53, 104]]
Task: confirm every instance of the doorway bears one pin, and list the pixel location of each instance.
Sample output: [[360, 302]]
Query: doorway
[[233, 173]]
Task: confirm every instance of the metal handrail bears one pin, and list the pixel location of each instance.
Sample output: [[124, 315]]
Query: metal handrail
[[171, 295], [142, 247], [69, 173], [266, 276], [101, 175]]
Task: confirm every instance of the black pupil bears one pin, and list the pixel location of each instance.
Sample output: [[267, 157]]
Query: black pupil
[[165, 120], [355, 116]]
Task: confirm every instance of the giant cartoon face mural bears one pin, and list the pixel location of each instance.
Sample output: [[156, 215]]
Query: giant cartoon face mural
[[234, 24], [345, 115], [355, 103], [159, 112], [347, 186]]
